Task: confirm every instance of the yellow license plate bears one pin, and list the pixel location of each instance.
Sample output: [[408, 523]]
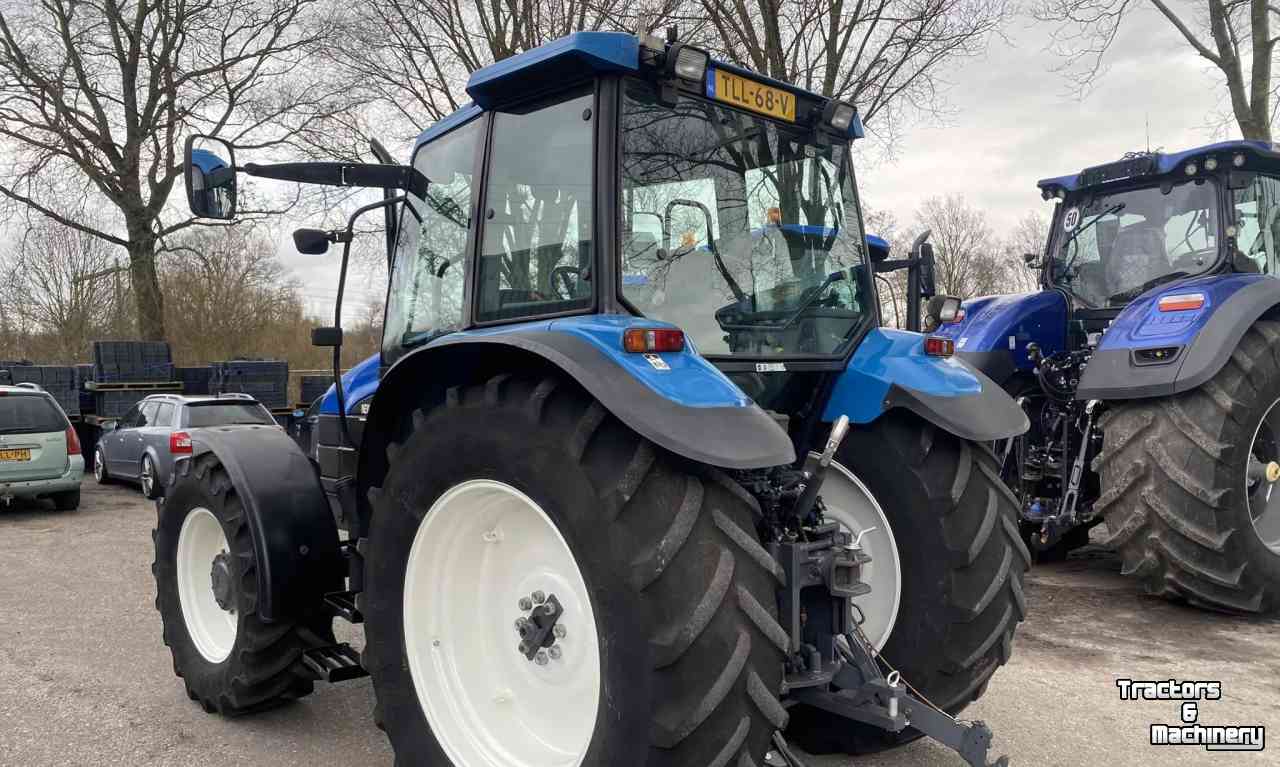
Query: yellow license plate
[[15, 455], [749, 94]]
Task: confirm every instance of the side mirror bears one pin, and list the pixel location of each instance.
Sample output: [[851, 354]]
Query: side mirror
[[1030, 258], [943, 308], [209, 169], [877, 248], [928, 284], [311, 242]]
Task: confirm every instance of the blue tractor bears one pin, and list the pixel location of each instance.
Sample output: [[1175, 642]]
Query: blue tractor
[[637, 478], [1149, 367]]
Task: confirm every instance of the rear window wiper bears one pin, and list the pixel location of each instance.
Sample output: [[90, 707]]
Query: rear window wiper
[[1131, 293]]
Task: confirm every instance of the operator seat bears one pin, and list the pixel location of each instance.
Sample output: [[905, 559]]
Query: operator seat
[[1137, 256]]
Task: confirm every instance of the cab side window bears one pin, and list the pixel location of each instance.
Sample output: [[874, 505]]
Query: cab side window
[[537, 244], [1257, 223], [428, 269]]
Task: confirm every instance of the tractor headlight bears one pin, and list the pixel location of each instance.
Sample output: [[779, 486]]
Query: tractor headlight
[[1238, 161], [687, 62], [839, 115], [1211, 164], [1190, 169]]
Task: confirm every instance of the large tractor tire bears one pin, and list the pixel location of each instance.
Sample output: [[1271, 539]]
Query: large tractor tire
[[509, 493], [206, 591], [1181, 506], [961, 561]]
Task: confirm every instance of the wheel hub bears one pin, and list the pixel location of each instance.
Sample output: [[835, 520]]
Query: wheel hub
[[1262, 473], [540, 629], [222, 582]]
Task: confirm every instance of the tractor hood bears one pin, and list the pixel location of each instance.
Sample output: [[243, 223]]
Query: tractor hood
[[993, 332]]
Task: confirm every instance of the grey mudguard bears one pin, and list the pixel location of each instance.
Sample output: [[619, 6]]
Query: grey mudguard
[[727, 437], [1115, 374], [989, 415], [295, 538]]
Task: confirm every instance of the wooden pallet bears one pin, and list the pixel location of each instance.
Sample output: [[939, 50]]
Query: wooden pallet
[[133, 385]]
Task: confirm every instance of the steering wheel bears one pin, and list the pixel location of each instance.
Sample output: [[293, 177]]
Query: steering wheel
[[560, 278]]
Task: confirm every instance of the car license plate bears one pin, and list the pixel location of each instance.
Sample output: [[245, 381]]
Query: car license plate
[[749, 94], [15, 455]]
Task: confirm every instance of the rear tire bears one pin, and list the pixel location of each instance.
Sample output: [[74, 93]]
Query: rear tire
[[682, 595], [66, 501], [240, 665], [1175, 493], [963, 562]]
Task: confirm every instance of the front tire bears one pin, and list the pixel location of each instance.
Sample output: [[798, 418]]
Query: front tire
[[148, 480], [656, 562], [1177, 498], [206, 584], [962, 561]]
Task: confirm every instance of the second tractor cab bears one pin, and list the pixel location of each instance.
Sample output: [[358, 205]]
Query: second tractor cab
[[637, 477], [1147, 366]]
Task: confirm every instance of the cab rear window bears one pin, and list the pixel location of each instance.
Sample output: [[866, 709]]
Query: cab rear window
[[30, 414], [223, 414]]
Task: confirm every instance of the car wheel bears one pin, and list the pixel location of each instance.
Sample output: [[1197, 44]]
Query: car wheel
[[148, 479], [100, 474]]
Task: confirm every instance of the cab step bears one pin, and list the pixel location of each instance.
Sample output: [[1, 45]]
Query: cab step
[[343, 603], [333, 663]]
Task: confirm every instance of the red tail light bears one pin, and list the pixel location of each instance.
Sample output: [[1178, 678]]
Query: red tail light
[[645, 340], [180, 443], [73, 441], [1181, 302], [939, 347]]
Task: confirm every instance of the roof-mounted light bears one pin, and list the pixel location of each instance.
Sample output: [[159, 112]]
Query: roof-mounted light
[[839, 115], [1211, 164], [1238, 161], [687, 62], [1190, 169], [1061, 194]]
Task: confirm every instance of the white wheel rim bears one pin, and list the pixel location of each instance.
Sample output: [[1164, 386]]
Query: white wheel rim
[[482, 547], [212, 629], [97, 464], [852, 505]]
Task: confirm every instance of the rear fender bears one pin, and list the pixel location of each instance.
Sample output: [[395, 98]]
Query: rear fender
[[295, 539], [1203, 338], [891, 370], [995, 331], [678, 400]]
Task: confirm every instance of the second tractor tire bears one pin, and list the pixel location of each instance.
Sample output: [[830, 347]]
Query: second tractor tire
[[690, 650], [963, 562]]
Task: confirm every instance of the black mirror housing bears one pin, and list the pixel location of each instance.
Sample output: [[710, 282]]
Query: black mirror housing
[[928, 284], [209, 172], [311, 242], [327, 336]]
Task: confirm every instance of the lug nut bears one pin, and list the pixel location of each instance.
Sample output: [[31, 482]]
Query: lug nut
[[523, 649], [526, 603], [521, 623], [539, 597], [540, 658], [555, 652], [559, 631]]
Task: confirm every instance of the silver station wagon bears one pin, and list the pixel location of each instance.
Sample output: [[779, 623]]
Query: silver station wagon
[[39, 450]]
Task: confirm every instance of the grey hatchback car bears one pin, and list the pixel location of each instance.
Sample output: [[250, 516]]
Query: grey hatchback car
[[39, 450], [143, 444]]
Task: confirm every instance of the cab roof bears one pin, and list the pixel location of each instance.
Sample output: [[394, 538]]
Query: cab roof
[[573, 57], [1258, 155]]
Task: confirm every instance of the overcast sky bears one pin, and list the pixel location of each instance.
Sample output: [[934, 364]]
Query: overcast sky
[[1013, 122]]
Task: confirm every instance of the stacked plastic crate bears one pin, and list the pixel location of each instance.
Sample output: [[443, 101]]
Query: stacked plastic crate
[[313, 387], [267, 381], [196, 380], [58, 380], [126, 371]]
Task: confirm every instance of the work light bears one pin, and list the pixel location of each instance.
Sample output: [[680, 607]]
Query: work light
[[839, 115], [687, 62]]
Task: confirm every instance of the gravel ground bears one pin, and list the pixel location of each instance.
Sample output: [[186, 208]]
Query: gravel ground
[[85, 679]]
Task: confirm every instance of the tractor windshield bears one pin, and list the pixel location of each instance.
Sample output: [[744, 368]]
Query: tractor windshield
[[741, 230], [1113, 247]]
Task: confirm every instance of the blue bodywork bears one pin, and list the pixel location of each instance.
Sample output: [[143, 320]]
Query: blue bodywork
[[1142, 325], [1006, 324], [1259, 155], [888, 357]]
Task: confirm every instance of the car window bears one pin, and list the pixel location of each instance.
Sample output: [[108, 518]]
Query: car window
[[164, 414], [224, 413], [25, 414], [130, 418], [148, 415]]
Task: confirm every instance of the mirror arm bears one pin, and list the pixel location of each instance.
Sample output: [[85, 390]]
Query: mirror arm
[[343, 174]]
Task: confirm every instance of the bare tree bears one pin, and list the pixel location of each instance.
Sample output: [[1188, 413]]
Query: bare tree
[[885, 56], [409, 60], [95, 96], [1030, 236], [60, 288], [1232, 35], [969, 260]]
